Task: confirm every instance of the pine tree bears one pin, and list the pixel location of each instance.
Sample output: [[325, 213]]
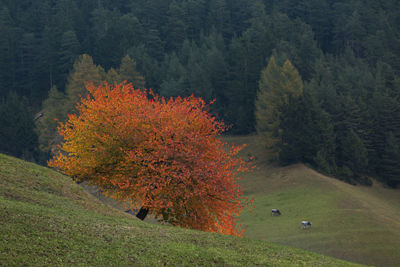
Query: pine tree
[[100, 19], [385, 111], [154, 44], [174, 29], [17, 135], [195, 15], [112, 76], [84, 71], [148, 66], [197, 66], [130, 31], [353, 160], [47, 60], [52, 112], [26, 71], [319, 15], [350, 32], [307, 134], [390, 163], [276, 87], [200, 83], [58, 105], [8, 51], [175, 82], [70, 50], [245, 63], [127, 71], [219, 17], [215, 63]]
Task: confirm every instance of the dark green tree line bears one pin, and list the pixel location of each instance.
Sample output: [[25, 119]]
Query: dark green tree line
[[346, 52]]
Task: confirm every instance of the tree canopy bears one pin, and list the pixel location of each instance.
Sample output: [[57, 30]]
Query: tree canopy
[[163, 155], [277, 87]]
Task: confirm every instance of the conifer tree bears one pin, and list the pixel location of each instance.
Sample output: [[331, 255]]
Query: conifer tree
[[175, 80], [219, 17], [154, 44], [195, 15], [46, 125], [276, 87], [385, 111], [84, 71], [353, 158], [148, 66], [390, 167], [175, 27], [58, 104], [70, 50], [17, 135], [112, 76], [47, 58], [307, 134], [8, 45], [127, 71], [26, 71]]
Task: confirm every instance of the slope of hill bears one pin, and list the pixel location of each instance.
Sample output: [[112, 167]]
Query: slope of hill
[[47, 220], [356, 223]]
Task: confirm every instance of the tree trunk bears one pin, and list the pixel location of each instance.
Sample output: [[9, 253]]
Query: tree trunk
[[142, 213]]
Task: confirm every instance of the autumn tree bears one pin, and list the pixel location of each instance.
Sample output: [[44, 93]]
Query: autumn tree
[[277, 86], [163, 155], [84, 70], [58, 104], [127, 71]]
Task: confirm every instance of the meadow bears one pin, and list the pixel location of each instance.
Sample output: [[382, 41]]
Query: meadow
[[356, 223], [48, 220]]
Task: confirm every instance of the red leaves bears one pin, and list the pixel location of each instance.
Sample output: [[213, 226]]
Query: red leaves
[[165, 155]]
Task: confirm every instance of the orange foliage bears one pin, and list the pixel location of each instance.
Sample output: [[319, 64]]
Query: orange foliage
[[164, 155]]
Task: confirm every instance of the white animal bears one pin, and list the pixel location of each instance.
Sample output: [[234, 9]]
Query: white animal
[[306, 224]]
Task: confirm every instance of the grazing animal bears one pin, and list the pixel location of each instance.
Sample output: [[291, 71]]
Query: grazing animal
[[275, 212], [306, 224]]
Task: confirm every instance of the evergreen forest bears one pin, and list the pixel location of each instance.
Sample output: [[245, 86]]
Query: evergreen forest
[[318, 79]]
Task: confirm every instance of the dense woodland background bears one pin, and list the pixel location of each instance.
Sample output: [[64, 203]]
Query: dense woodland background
[[345, 121]]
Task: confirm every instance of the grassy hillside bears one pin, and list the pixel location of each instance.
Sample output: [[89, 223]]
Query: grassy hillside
[[47, 220], [356, 223]]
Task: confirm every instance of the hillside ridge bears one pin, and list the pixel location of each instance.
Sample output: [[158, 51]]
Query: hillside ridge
[[352, 222], [374, 203], [49, 220]]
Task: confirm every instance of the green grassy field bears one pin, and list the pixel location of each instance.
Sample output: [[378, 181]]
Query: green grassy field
[[356, 223], [47, 220]]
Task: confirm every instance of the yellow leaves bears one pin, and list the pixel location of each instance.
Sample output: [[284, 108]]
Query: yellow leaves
[[277, 85]]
